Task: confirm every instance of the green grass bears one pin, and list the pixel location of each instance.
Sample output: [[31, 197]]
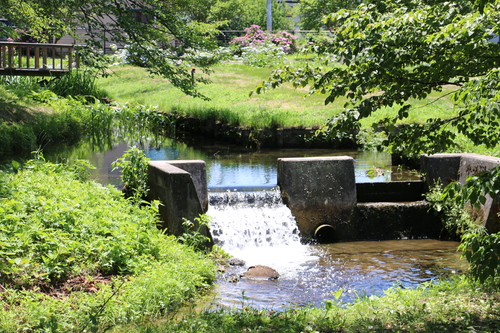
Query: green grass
[[454, 306], [229, 97]]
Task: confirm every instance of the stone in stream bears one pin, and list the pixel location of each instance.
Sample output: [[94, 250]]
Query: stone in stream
[[260, 272]]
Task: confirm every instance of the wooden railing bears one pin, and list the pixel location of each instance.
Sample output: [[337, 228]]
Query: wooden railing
[[37, 59]]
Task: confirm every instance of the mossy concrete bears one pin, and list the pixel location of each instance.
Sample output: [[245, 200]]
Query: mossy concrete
[[181, 188], [322, 195], [445, 168], [319, 190]]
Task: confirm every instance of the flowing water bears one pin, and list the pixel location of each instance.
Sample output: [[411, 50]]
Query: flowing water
[[257, 228]]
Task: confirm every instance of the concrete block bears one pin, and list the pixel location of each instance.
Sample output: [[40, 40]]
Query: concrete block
[[175, 189], [318, 191], [457, 167], [440, 168], [392, 220], [395, 191], [472, 164], [198, 172]]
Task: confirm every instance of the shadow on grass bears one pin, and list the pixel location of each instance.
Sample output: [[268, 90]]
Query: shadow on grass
[[12, 112]]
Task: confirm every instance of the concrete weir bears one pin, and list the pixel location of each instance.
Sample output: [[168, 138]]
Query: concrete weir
[[181, 188], [446, 168], [323, 196], [325, 200], [320, 191]]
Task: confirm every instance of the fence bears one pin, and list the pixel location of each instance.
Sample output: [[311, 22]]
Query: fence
[[37, 59]]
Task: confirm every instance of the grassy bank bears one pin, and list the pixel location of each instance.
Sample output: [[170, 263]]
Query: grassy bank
[[454, 306], [76, 255], [229, 94], [38, 113]]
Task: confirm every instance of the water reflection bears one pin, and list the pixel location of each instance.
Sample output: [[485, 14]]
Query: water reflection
[[232, 167]]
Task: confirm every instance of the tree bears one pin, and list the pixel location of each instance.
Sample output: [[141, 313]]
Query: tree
[[311, 12], [387, 53], [240, 14], [113, 21]]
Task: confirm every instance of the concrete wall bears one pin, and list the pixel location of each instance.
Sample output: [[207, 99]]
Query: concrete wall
[[322, 194], [319, 190], [397, 220], [394, 191], [181, 187], [446, 168]]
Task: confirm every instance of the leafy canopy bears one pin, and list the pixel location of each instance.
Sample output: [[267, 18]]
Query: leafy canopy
[[389, 53], [153, 28], [166, 36], [311, 12]]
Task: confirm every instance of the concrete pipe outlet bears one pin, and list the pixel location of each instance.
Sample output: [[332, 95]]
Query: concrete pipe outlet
[[325, 234]]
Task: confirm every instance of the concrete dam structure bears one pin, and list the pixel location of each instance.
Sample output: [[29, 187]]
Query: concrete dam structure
[[327, 203]]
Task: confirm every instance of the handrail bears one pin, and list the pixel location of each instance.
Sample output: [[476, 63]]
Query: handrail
[[37, 58]]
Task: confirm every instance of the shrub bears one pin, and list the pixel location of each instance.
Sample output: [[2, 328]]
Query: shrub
[[255, 37], [264, 55], [456, 203], [134, 167], [73, 251], [76, 83]]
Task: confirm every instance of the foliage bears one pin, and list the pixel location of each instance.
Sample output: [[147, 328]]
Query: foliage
[[239, 14], [481, 251], [76, 83], [312, 12], [369, 139], [134, 168], [194, 233], [457, 219], [388, 54], [62, 238], [480, 248], [262, 55]]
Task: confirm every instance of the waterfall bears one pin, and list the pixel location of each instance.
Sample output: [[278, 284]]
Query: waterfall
[[256, 227]]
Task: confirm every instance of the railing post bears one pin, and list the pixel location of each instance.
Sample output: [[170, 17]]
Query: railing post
[[4, 56], [70, 58], [37, 57], [11, 56], [28, 57], [44, 53], [77, 60], [20, 56]]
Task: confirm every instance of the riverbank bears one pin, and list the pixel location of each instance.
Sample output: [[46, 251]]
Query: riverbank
[[452, 306], [76, 256]]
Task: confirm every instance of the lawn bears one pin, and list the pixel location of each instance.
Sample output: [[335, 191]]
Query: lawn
[[231, 99]]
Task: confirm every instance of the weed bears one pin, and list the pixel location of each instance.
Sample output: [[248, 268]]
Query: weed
[[134, 168], [75, 83], [194, 234], [73, 251]]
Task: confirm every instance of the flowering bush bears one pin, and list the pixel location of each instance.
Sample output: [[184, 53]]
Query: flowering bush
[[255, 37], [264, 55]]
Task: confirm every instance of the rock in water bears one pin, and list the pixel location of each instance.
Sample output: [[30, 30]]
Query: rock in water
[[260, 272]]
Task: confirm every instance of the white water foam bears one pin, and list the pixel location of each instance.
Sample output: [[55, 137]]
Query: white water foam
[[258, 228]]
